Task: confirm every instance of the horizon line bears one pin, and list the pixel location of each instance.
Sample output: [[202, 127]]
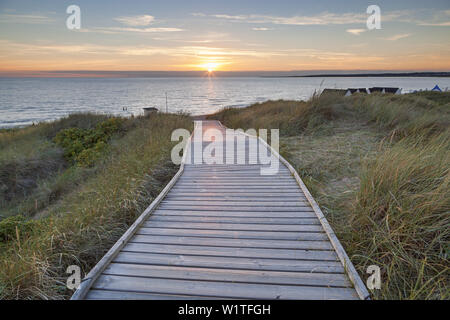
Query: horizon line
[[153, 73]]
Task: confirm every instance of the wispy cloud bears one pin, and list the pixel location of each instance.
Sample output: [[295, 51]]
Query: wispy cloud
[[324, 18], [435, 24], [142, 30], [356, 32], [424, 17], [136, 21], [261, 29], [397, 37]]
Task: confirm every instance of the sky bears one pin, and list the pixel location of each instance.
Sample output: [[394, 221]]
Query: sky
[[230, 35]]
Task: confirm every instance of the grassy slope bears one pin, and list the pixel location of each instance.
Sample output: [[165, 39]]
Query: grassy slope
[[82, 223], [379, 168]]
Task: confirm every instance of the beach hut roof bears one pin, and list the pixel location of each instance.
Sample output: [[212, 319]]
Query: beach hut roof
[[436, 88], [150, 109]]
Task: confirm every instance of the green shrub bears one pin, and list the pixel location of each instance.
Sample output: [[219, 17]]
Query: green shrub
[[88, 157], [85, 146]]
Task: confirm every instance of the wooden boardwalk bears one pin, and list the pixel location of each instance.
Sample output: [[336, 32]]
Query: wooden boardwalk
[[225, 231]]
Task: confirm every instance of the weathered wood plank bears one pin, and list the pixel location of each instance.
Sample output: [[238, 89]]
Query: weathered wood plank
[[230, 262], [233, 226], [226, 289], [95, 294], [242, 183], [270, 221], [236, 199], [270, 195], [227, 275], [233, 243], [238, 189], [235, 234], [301, 213], [207, 250], [232, 208], [231, 203]]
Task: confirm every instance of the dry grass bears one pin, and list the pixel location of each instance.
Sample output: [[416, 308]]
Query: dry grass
[[83, 224]]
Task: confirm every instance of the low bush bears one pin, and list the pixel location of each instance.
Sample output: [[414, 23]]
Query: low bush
[[85, 146]]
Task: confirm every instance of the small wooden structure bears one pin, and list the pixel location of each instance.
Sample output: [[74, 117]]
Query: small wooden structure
[[149, 111]]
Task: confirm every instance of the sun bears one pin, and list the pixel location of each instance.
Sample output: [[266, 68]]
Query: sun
[[210, 66]]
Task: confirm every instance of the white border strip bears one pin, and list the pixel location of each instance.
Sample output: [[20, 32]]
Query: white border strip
[[95, 272], [343, 257]]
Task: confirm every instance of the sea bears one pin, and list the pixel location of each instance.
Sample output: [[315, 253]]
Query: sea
[[24, 101]]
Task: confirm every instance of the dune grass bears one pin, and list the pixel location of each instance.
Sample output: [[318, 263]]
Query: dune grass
[[378, 166], [85, 221]]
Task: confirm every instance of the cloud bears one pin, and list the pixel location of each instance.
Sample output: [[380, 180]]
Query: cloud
[[142, 30], [397, 37], [230, 17], [261, 29], [435, 24], [136, 21], [424, 17], [324, 18], [356, 32]]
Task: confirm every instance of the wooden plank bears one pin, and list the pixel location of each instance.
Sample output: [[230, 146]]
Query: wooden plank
[[234, 178], [233, 243], [128, 295], [233, 226], [234, 199], [231, 203], [240, 184], [230, 262], [288, 221], [236, 189], [235, 234], [232, 208], [226, 289], [245, 181], [235, 194], [227, 275], [221, 189], [301, 213], [207, 250]]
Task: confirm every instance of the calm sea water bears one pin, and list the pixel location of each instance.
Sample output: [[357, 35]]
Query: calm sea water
[[24, 101]]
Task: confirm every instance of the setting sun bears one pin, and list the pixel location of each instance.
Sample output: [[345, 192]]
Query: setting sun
[[210, 66]]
